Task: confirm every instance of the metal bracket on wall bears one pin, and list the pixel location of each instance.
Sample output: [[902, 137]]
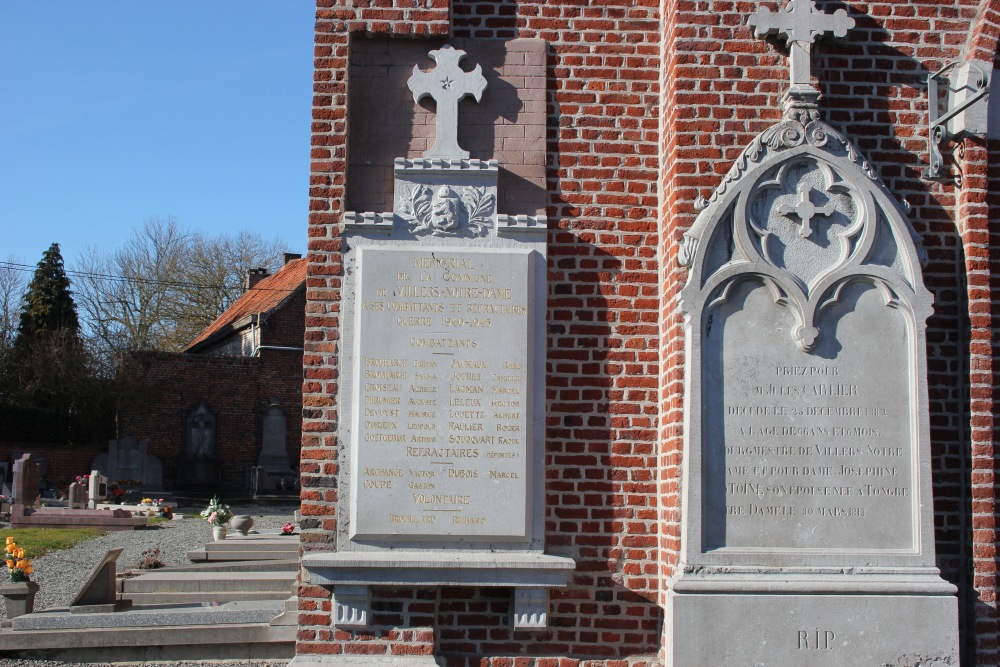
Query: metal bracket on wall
[[938, 132]]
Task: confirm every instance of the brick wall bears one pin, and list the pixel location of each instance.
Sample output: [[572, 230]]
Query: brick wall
[[237, 389], [620, 192], [64, 463]]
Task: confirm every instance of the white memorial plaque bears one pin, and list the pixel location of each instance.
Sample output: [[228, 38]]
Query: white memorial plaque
[[441, 409]]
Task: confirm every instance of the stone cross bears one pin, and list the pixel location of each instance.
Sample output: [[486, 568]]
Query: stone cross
[[804, 209], [799, 25], [447, 84]]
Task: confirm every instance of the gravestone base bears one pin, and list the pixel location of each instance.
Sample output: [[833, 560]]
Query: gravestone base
[[787, 621]]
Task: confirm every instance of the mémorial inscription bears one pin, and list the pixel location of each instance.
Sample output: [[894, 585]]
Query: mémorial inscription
[[441, 418]]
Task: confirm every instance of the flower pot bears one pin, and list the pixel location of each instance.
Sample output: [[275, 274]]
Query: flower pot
[[218, 533], [242, 523], [20, 598]]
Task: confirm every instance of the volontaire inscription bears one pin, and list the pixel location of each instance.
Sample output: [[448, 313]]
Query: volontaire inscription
[[811, 451], [442, 409]]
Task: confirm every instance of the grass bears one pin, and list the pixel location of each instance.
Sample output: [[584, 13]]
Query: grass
[[40, 541]]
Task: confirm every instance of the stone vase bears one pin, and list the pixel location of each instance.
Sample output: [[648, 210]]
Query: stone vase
[[218, 533], [242, 523], [19, 598]]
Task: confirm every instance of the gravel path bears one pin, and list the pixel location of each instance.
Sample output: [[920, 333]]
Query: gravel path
[[60, 574]]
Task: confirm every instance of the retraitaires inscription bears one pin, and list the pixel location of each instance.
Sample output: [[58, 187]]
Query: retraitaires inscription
[[809, 451], [442, 409]]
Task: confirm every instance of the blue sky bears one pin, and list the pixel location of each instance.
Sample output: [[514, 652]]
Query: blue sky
[[114, 110]]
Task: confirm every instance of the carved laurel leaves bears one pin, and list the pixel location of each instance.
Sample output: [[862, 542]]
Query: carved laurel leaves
[[443, 212]]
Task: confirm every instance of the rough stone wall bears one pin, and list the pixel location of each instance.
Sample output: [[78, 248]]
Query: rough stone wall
[[645, 112]]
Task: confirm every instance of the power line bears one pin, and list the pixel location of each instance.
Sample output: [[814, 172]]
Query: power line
[[27, 268]]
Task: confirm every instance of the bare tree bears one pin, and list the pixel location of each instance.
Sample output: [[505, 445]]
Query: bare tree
[[215, 275], [12, 286], [165, 284], [125, 297]]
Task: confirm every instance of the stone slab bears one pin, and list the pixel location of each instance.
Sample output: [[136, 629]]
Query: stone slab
[[810, 452], [22, 517], [190, 582], [261, 611], [155, 643], [427, 568], [442, 410], [814, 630]]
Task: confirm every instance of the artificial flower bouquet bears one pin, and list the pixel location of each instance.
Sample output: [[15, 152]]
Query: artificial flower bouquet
[[18, 567], [216, 513]]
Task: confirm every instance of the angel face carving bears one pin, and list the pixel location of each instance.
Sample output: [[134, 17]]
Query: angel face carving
[[446, 210]]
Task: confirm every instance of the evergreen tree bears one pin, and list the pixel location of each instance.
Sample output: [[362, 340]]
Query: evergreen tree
[[48, 304], [48, 391]]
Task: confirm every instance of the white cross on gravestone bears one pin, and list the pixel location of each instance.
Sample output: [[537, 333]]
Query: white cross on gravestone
[[805, 210], [447, 84], [799, 25]]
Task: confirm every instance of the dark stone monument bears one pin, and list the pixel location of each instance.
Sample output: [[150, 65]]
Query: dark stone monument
[[273, 471], [199, 464]]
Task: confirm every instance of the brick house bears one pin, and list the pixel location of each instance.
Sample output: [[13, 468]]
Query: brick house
[[249, 358], [647, 105]]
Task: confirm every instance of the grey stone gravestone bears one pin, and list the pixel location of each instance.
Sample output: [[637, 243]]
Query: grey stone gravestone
[[99, 593], [273, 459], [27, 480], [808, 534], [77, 496], [444, 403]]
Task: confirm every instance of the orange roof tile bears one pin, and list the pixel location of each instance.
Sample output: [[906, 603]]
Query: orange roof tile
[[268, 294]]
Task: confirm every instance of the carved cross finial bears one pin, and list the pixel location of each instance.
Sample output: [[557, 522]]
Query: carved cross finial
[[800, 24], [447, 84], [805, 210]]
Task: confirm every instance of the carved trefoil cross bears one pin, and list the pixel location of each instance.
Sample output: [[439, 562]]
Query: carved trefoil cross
[[447, 84], [800, 24], [805, 210]]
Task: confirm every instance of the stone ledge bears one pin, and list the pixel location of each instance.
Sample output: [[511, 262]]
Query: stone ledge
[[906, 581], [435, 568], [404, 165]]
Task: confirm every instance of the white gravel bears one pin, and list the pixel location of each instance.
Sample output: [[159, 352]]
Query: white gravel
[[60, 574]]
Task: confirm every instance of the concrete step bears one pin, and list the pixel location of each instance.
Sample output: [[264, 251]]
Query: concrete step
[[290, 545], [253, 547], [287, 565], [201, 555], [259, 630], [214, 597], [193, 582]]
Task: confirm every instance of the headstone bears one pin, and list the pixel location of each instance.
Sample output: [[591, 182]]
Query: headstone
[[77, 496], [27, 480], [273, 457], [127, 459], [100, 590], [97, 489], [444, 395], [199, 465], [807, 535]]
